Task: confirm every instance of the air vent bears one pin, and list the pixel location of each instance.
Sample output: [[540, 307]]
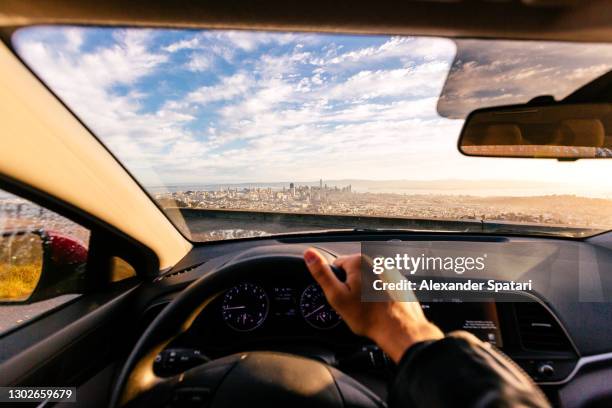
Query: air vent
[[539, 330], [176, 273]]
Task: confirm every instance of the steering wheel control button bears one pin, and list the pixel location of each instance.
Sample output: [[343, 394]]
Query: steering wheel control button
[[190, 398], [174, 361], [369, 357]]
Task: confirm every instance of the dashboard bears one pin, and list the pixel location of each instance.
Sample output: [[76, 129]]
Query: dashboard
[[285, 310], [282, 309]]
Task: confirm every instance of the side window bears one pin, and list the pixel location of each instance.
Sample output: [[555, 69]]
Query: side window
[[43, 257], [121, 270]]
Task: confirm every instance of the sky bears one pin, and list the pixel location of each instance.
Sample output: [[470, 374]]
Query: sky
[[204, 107]]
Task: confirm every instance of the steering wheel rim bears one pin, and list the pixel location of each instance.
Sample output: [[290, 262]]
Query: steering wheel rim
[[137, 377]]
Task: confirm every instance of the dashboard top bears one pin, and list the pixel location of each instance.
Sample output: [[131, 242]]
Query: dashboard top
[[275, 305], [584, 265]]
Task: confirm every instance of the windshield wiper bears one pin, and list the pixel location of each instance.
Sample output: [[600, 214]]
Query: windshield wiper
[[531, 229]]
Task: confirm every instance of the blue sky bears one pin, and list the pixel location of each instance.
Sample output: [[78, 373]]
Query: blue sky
[[235, 106]]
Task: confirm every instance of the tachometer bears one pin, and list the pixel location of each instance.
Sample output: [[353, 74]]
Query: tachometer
[[245, 307], [315, 309]]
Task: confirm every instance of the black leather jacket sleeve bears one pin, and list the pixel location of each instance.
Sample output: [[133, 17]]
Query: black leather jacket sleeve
[[461, 371]]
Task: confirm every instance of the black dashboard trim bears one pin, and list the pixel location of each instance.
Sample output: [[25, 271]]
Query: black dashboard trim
[[582, 362], [554, 315]]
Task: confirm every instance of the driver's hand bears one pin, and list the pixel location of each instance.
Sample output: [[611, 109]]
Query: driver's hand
[[393, 325]]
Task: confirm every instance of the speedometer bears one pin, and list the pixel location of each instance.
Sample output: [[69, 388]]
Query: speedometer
[[315, 309], [245, 307]]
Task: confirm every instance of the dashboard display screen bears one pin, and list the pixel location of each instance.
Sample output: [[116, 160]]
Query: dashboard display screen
[[309, 304], [480, 319], [285, 302]]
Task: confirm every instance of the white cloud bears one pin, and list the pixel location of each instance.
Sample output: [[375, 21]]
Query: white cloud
[[228, 88], [224, 43], [189, 44], [404, 48], [85, 81], [74, 39], [303, 110], [124, 62], [251, 40], [422, 80], [199, 62]]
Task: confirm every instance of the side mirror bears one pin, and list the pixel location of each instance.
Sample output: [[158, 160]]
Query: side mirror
[[39, 265], [560, 130]]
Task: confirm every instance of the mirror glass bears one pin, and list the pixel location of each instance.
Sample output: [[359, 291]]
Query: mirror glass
[[563, 131], [21, 263]]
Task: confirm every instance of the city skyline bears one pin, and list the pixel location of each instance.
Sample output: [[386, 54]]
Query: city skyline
[[330, 199], [487, 187]]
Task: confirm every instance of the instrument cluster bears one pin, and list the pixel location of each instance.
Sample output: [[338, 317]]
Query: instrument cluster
[[280, 308], [247, 306]]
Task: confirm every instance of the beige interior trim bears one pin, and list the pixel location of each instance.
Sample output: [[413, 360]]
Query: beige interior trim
[[43, 145]]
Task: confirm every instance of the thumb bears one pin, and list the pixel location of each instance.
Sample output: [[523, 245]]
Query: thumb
[[322, 273]]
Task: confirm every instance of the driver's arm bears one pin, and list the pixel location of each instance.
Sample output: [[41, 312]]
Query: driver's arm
[[434, 370]]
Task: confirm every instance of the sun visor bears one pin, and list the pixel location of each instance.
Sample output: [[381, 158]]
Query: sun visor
[[486, 73]]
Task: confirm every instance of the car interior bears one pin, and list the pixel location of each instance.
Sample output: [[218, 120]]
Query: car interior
[[153, 315]]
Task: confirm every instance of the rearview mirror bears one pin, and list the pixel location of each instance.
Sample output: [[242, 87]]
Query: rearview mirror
[[38, 265], [562, 131]]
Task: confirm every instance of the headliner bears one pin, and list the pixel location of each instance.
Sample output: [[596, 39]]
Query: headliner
[[562, 20]]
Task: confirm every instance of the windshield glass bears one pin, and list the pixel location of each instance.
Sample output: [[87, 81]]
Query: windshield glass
[[240, 134]]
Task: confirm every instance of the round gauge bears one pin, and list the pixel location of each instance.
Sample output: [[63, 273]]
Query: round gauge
[[315, 309], [245, 307]]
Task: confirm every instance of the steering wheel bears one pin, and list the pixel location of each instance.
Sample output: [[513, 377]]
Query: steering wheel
[[267, 379]]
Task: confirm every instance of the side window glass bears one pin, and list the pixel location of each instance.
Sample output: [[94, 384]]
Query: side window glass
[[121, 270], [43, 257]]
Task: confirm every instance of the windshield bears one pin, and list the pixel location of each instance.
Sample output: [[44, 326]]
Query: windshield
[[240, 134]]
